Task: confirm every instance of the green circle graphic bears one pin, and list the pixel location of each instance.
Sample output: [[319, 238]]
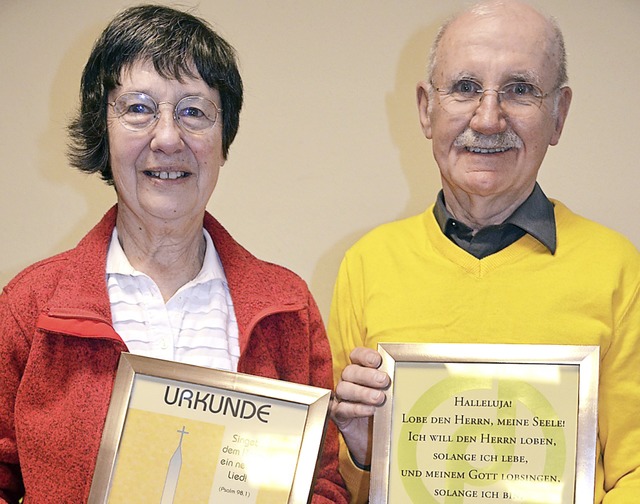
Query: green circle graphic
[[513, 391]]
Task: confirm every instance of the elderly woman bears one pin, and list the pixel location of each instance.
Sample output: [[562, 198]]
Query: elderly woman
[[157, 276]]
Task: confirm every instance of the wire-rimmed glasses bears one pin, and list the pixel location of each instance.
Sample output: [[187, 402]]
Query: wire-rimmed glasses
[[517, 99], [137, 111]]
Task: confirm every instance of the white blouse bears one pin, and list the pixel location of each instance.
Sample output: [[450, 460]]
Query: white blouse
[[196, 326]]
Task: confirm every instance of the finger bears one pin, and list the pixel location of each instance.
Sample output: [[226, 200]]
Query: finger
[[343, 412], [367, 357], [367, 377], [353, 393]]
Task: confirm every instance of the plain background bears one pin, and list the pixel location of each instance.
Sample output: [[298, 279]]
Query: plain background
[[329, 143]]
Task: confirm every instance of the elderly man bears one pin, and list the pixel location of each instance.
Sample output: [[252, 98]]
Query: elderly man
[[493, 260]]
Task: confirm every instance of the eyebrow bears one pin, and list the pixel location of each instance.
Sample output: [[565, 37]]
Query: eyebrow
[[522, 76], [526, 76]]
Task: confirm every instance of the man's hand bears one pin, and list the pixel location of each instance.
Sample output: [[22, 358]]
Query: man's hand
[[358, 393]]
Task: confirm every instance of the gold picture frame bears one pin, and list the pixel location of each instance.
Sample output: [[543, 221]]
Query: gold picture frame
[[181, 433], [493, 423]]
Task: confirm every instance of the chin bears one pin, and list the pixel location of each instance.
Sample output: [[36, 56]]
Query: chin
[[484, 184], [168, 212]]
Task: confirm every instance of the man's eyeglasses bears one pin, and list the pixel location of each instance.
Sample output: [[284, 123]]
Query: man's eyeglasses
[[517, 99], [138, 111]]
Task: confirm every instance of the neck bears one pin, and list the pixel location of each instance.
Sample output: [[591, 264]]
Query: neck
[[171, 255], [478, 211]]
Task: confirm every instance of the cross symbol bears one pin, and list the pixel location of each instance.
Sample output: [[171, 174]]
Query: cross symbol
[[182, 433]]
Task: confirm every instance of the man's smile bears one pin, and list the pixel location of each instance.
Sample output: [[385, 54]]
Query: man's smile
[[480, 150]]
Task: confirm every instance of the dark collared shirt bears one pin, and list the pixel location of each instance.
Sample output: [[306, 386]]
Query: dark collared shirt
[[535, 216]]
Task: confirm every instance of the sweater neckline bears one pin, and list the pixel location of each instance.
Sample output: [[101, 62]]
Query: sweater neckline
[[477, 267]]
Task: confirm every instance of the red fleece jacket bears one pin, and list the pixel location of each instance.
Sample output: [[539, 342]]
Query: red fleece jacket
[[59, 353]]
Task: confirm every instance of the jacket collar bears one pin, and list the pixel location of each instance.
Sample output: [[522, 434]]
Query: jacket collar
[[257, 288]]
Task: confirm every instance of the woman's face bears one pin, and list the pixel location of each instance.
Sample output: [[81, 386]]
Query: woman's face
[[163, 173]]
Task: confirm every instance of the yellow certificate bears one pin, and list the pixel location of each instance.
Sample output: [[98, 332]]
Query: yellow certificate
[[177, 433], [485, 424]]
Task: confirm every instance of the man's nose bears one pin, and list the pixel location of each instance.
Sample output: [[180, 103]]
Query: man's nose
[[489, 117]]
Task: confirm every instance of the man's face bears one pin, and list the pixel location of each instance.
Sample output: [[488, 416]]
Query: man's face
[[512, 45]]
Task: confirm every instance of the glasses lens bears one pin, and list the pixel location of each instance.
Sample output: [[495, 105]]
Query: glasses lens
[[196, 113], [518, 99], [461, 98], [136, 111]]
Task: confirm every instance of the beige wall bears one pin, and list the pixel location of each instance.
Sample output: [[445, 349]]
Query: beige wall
[[329, 144]]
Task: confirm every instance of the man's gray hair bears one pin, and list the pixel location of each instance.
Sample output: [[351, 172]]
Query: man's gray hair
[[556, 48]]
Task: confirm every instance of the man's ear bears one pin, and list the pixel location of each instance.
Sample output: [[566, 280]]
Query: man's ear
[[564, 101], [422, 95]]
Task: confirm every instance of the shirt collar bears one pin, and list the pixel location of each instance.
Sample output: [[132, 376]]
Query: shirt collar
[[118, 263], [535, 216]]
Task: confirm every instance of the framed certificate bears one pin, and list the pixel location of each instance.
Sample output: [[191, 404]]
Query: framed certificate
[[177, 433], [473, 423]]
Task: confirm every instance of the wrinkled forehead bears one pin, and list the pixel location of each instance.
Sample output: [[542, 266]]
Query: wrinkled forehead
[[498, 46]]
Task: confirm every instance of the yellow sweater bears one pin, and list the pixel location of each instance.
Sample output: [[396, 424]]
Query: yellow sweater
[[407, 282]]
